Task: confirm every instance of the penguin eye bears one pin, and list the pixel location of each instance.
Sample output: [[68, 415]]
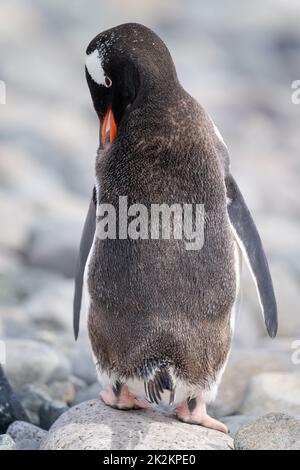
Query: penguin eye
[[107, 82]]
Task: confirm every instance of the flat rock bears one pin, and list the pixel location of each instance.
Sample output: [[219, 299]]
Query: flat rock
[[93, 425], [274, 431], [273, 392], [26, 435], [34, 362]]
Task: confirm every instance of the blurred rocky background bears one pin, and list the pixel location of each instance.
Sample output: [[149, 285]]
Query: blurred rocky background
[[239, 60]]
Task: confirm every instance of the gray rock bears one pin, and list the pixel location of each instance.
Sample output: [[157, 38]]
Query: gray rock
[[234, 423], [83, 366], [273, 392], [77, 383], [40, 406], [33, 397], [10, 406], [26, 435], [49, 412], [274, 431], [15, 229], [54, 245], [88, 393], [243, 365], [33, 362], [62, 391], [13, 324], [50, 307], [7, 443], [23, 282], [9, 266], [93, 425]]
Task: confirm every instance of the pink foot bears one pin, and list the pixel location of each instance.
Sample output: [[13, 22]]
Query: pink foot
[[194, 412], [124, 400]]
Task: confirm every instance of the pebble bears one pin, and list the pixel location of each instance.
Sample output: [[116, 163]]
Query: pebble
[[25, 435], [7, 443]]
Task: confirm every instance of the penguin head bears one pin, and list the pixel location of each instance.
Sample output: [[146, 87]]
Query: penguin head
[[124, 66]]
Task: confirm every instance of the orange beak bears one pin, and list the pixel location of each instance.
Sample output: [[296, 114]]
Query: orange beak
[[109, 116]]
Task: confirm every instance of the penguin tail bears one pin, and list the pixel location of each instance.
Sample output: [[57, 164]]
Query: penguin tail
[[160, 382]]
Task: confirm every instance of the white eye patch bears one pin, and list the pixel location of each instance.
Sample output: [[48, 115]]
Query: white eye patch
[[95, 69]]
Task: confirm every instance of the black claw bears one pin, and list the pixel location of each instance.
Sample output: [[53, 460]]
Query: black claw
[[191, 404], [117, 388], [166, 380], [172, 397]]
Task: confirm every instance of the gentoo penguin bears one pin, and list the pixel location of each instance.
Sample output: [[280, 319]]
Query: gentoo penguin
[[160, 317]]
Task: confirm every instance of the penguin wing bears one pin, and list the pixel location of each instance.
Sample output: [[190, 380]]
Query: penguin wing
[[248, 239], [86, 242]]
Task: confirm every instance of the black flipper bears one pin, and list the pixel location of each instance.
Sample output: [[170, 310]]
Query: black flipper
[[10, 408], [84, 250], [249, 241]]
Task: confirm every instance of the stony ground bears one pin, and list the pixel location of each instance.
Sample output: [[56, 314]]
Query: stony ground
[[240, 65]]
